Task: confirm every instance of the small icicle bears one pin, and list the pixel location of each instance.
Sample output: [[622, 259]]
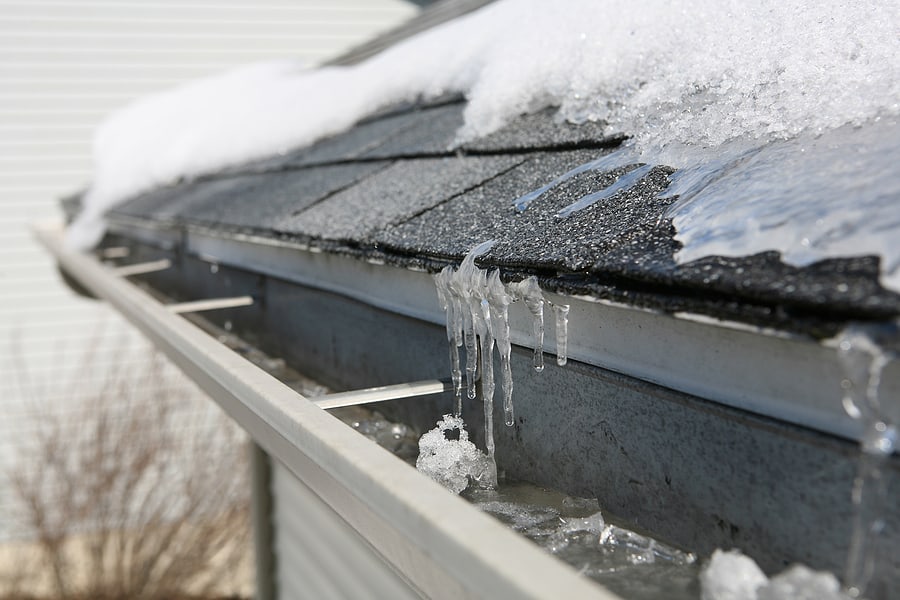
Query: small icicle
[[456, 378], [487, 377], [451, 306], [624, 182], [496, 316], [500, 300], [530, 292], [562, 333], [471, 350]]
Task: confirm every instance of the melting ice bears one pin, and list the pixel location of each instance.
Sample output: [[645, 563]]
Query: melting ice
[[701, 73], [454, 463], [864, 360], [734, 576], [577, 532], [477, 307], [810, 198]]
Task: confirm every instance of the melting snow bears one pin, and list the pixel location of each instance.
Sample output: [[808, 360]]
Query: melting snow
[[687, 80]]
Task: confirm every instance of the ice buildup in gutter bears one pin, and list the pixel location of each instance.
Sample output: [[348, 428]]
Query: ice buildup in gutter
[[454, 462], [864, 359]]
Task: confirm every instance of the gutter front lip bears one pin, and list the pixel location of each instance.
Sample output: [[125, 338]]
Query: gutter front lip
[[447, 541]]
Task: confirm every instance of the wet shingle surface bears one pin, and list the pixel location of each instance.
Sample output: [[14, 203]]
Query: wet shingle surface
[[395, 188]]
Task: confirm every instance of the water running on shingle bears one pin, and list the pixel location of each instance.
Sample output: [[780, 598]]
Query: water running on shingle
[[617, 159], [863, 361], [623, 183]]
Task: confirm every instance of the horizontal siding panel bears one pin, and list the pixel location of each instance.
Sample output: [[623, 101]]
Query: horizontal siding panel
[[12, 132], [52, 118], [353, 24], [142, 49], [181, 70], [29, 149], [303, 35], [30, 101], [386, 12], [72, 86], [74, 178]]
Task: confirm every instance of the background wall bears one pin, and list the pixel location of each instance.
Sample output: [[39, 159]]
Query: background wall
[[64, 64]]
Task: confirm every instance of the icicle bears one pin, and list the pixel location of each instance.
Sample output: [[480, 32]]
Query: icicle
[[471, 350], [461, 286], [487, 377], [863, 361], [499, 307], [624, 182], [530, 292], [477, 307], [562, 333], [504, 348], [451, 307]]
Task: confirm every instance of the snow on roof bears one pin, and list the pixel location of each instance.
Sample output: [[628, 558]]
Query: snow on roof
[[697, 85]]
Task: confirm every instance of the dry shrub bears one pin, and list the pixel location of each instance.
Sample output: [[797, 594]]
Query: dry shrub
[[138, 490]]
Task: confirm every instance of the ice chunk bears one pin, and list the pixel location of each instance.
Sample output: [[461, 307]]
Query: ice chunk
[[639, 549], [802, 583], [454, 462], [734, 576], [731, 576], [568, 532]]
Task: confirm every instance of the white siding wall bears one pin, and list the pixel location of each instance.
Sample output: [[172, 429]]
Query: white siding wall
[[318, 555], [64, 64]]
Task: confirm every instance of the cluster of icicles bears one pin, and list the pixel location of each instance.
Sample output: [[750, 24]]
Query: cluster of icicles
[[477, 307]]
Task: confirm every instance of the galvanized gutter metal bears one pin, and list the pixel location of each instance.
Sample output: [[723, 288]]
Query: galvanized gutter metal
[[767, 372], [443, 546]]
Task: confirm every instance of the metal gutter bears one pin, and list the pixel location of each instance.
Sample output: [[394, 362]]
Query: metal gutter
[[772, 373], [439, 543]]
